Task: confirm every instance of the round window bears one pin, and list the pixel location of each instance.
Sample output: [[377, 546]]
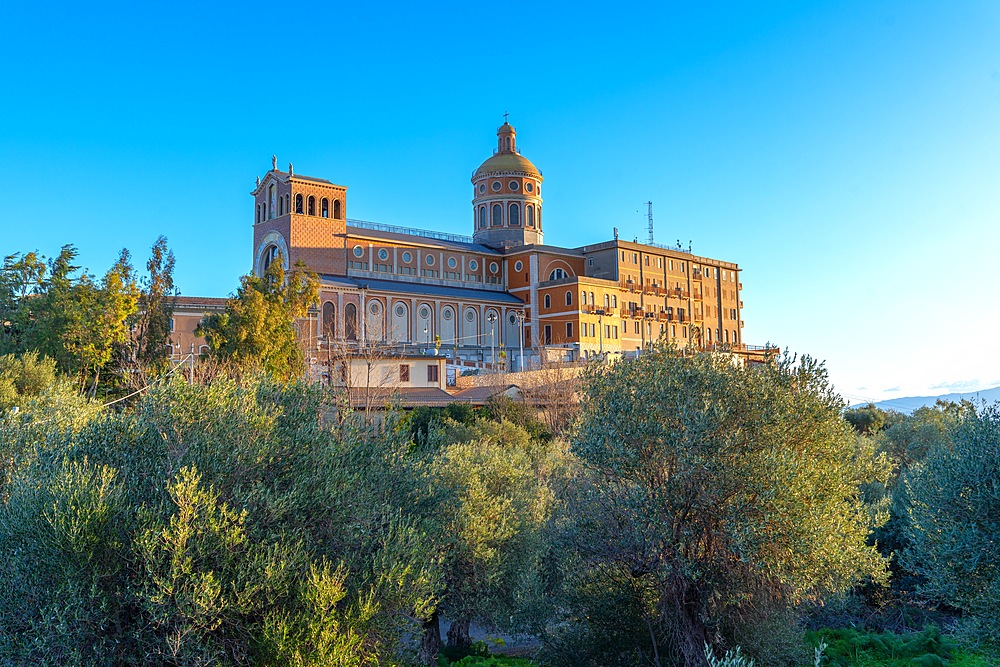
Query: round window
[[493, 267], [374, 308], [518, 265], [470, 315], [482, 188], [407, 257], [452, 263], [447, 315], [528, 187], [430, 260], [512, 318], [513, 186], [496, 186], [400, 311], [473, 265], [424, 313], [383, 254], [358, 251]]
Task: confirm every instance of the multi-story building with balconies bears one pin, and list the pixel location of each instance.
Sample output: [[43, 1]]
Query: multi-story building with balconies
[[500, 290]]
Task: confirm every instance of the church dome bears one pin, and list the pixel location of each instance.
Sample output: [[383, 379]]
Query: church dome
[[507, 162], [507, 159]]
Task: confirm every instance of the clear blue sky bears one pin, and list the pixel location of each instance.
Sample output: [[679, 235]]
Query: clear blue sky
[[846, 154]]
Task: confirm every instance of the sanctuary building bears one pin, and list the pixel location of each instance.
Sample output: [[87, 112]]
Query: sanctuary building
[[501, 296]]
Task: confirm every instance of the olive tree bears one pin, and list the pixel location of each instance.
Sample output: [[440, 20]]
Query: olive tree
[[713, 496], [955, 519]]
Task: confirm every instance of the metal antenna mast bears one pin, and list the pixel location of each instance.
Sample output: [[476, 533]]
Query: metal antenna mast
[[650, 205]]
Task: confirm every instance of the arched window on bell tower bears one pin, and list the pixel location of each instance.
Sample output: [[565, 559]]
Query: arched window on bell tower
[[496, 215], [530, 210], [336, 209], [270, 201], [325, 207], [298, 204], [482, 217], [312, 205]]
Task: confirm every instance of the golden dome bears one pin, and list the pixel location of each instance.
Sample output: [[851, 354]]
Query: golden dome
[[507, 162]]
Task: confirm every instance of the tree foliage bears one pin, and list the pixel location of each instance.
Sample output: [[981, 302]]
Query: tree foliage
[[494, 498], [714, 495], [230, 524], [257, 329], [955, 519], [158, 297], [66, 315], [23, 377]]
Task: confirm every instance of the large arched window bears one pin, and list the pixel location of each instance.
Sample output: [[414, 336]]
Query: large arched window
[[515, 215], [312, 205], [530, 216], [325, 208], [336, 209], [482, 216], [496, 215], [329, 320], [298, 203], [351, 321], [557, 274]]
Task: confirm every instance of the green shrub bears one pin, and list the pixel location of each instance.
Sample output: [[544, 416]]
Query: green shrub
[[847, 647]]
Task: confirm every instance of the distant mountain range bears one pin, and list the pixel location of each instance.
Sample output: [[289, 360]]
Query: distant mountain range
[[911, 403]]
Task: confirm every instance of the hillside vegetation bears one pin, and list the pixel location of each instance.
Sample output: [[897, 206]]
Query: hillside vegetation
[[693, 511]]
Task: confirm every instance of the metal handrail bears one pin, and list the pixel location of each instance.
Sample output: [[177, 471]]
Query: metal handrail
[[410, 231]]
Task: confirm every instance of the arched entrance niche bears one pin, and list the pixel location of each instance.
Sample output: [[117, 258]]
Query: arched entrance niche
[[470, 327], [424, 330], [351, 322], [400, 323], [449, 322]]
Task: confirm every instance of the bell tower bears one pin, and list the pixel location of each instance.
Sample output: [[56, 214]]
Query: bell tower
[[507, 196], [299, 218]]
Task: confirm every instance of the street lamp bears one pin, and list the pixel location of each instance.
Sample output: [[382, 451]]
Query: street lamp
[[492, 318], [519, 314]]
